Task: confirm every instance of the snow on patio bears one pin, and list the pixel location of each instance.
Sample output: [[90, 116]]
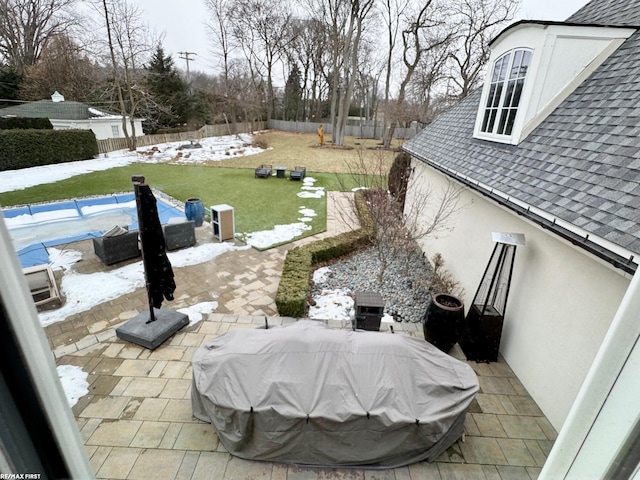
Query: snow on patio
[[85, 291]]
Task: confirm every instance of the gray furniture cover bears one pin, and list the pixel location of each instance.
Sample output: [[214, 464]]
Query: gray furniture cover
[[308, 394]]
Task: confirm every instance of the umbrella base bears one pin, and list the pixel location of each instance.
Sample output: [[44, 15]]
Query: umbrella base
[[152, 335]]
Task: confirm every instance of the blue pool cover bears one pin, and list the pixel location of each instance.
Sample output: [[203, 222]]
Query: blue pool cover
[[36, 253]]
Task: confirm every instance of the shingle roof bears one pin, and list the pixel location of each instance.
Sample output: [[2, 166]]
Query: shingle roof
[[582, 164], [608, 12], [67, 110]]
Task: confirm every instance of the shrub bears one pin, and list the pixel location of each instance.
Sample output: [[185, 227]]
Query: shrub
[[294, 288], [442, 281], [260, 142], [399, 177], [24, 123], [31, 148]]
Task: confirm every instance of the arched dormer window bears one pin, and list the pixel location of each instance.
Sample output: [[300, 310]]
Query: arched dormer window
[[522, 88], [505, 91]]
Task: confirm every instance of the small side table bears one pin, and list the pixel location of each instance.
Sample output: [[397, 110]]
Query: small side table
[[369, 307], [280, 171]]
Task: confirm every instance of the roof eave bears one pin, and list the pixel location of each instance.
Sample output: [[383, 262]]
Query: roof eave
[[627, 265], [547, 23]]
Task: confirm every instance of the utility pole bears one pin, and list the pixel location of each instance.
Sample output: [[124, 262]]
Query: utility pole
[[187, 57]]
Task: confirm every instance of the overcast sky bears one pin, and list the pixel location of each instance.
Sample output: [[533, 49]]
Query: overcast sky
[[183, 24]]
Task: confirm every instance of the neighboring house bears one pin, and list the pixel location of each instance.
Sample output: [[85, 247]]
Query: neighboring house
[[66, 115], [550, 147]]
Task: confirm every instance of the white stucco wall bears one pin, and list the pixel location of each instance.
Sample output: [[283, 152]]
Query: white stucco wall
[[561, 303]]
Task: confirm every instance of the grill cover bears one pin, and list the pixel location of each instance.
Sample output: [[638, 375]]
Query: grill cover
[[308, 394]]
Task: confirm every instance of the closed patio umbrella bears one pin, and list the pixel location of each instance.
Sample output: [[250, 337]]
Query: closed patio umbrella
[[143, 329], [158, 271]]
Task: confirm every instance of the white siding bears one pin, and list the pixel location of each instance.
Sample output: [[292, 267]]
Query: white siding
[[102, 128]]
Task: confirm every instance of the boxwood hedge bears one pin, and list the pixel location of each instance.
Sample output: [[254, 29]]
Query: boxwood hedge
[[294, 288]]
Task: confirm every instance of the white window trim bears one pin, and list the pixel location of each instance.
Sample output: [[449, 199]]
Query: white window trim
[[497, 137]]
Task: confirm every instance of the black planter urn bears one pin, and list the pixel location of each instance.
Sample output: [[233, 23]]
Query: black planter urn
[[444, 321]]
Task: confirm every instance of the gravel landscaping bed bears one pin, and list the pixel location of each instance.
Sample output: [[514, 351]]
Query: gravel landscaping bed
[[405, 294]]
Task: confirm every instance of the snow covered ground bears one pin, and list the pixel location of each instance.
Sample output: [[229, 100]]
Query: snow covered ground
[[84, 291], [213, 149]]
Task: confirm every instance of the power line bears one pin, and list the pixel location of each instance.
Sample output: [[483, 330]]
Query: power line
[[187, 57]]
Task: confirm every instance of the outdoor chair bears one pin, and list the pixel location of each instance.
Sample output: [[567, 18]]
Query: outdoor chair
[[179, 233], [263, 171], [42, 284], [117, 248], [298, 173]]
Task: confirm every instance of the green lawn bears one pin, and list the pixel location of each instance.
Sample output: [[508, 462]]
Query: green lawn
[[259, 204]]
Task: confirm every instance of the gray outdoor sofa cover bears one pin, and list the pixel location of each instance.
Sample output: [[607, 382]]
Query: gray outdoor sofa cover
[[308, 394]]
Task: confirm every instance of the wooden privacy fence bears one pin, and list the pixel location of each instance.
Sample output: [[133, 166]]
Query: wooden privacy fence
[[113, 144]]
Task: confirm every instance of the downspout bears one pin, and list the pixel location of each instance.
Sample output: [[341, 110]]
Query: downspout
[[616, 347]]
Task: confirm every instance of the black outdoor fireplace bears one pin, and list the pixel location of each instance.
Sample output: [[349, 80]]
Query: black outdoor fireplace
[[369, 308]]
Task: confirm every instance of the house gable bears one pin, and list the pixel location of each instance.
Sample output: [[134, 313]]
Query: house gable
[[579, 169], [559, 58]]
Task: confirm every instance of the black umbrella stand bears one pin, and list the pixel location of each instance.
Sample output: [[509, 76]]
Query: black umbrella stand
[[151, 328]]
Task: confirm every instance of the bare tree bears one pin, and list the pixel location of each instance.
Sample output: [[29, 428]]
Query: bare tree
[[333, 16], [219, 27], [308, 49], [398, 231], [260, 27], [478, 22], [426, 32], [393, 12], [129, 45], [358, 12], [27, 27], [399, 225], [427, 87], [248, 95], [344, 21], [63, 66], [241, 93]]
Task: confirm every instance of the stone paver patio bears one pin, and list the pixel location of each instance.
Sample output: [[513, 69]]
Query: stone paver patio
[[136, 420]]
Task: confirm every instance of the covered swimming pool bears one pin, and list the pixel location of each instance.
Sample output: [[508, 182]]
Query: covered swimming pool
[[33, 228]]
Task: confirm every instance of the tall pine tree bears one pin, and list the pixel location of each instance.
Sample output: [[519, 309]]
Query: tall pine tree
[[169, 99], [293, 96]]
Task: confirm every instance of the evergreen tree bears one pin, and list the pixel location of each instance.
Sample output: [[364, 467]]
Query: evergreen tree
[[293, 96], [169, 104], [9, 86]]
